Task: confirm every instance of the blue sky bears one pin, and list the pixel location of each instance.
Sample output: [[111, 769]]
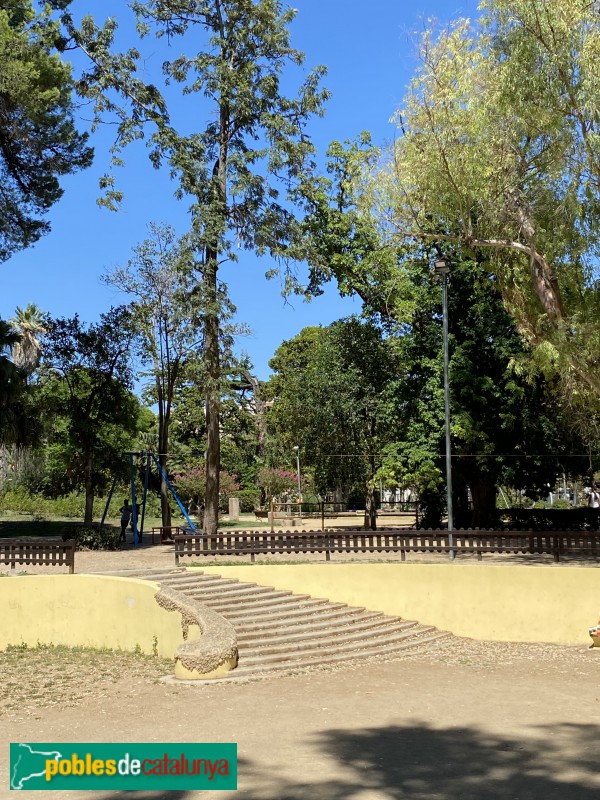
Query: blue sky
[[368, 49]]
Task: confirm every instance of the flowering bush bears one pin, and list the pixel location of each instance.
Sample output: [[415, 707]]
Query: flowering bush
[[191, 486], [277, 482]]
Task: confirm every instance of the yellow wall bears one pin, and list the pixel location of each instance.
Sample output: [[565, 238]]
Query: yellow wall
[[89, 611], [503, 603]]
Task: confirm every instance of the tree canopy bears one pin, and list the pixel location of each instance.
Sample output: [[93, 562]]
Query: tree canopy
[[39, 142], [87, 385], [240, 169], [328, 390], [499, 153]]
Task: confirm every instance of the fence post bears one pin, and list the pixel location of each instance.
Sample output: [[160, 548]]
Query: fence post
[[272, 515]]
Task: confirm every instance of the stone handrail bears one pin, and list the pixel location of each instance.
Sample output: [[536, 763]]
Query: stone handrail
[[215, 653]]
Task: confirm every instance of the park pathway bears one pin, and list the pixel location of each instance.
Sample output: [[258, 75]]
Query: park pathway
[[281, 632]]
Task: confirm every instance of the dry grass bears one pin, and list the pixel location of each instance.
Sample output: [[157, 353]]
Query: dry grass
[[49, 675]]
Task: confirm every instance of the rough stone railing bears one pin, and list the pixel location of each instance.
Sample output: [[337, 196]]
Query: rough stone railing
[[215, 653]]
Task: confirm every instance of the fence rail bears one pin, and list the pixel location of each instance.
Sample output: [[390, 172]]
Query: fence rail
[[392, 540], [40, 552]]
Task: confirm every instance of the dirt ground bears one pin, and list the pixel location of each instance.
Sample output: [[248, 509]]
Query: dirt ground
[[465, 721]]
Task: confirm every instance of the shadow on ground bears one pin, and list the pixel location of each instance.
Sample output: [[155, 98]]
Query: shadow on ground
[[424, 763]]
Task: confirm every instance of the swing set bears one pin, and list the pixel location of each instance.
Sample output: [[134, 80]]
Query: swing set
[[150, 457]]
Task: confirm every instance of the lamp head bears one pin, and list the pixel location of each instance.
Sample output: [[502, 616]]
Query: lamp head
[[441, 266]]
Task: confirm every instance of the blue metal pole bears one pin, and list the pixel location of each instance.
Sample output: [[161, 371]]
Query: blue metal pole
[[146, 479], [172, 490], [110, 494], [133, 510]]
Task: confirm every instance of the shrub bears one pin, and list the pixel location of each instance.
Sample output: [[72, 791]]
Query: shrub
[[249, 499], [278, 482], [20, 501], [92, 537]]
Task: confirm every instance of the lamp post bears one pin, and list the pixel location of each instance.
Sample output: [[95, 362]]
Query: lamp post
[[442, 268], [297, 449]]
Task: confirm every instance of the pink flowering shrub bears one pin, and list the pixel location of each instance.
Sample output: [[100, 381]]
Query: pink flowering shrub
[[277, 482], [191, 486]]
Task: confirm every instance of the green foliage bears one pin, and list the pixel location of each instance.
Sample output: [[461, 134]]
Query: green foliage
[[329, 386], [92, 537], [278, 483], [242, 171], [20, 501], [249, 499], [191, 487], [39, 140], [498, 418], [86, 387], [499, 154]]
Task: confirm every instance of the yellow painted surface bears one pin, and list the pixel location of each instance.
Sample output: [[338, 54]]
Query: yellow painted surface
[[90, 611], [182, 673], [501, 603]]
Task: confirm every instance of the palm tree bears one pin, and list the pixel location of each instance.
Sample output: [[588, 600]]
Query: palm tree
[[11, 385], [29, 324]]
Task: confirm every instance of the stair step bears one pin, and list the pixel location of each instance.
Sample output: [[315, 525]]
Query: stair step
[[243, 598], [278, 607], [337, 632], [197, 581], [291, 616], [245, 671], [334, 641], [400, 636]]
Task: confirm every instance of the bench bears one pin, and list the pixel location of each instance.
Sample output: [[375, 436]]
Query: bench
[[39, 552], [165, 534]]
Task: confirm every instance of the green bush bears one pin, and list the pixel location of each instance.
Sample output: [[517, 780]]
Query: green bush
[[20, 501], [249, 499], [560, 503], [92, 537]]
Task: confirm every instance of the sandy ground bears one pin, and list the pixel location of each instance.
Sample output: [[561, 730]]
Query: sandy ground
[[466, 721], [516, 729]]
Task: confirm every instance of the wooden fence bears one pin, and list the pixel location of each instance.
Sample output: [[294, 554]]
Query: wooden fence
[[392, 540], [41, 552]]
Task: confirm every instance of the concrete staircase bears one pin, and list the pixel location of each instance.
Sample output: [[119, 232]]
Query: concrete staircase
[[281, 632]]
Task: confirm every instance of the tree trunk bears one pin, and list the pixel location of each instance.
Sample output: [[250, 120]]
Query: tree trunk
[[163, 458], [260, 412], [213, 397], [88, 517], [483, 492], [165, 505], [370, 509]]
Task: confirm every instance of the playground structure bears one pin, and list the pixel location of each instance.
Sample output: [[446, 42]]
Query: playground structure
[[150, 458]]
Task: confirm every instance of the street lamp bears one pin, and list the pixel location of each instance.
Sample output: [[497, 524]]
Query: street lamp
[[442, 268], [297, 449]]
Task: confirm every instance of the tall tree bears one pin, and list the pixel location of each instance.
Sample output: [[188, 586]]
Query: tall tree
[[11, 386], [88, 386], [495, 410], [38, 139], [240, 171], [499, 152], [504, 426], [328, 388], [168, 315]]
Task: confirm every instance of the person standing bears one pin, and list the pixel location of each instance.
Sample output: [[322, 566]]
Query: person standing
[[126, 511]]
